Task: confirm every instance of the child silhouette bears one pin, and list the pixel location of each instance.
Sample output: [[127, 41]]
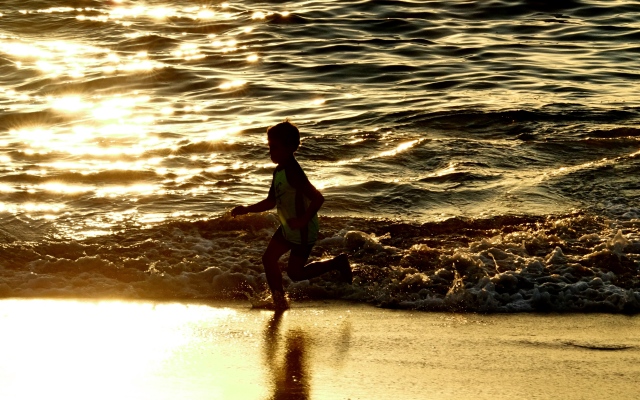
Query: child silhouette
[[297, 202]]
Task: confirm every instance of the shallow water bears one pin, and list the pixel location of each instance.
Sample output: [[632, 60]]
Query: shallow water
[[127, 130]]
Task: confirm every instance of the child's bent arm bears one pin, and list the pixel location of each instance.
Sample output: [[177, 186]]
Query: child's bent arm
[[317, 199], [297, 178]]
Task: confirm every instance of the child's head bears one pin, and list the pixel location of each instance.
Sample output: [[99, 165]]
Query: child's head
[[286, 134], [284, 140]]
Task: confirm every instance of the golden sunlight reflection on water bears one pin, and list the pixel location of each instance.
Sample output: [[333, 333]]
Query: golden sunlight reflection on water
[[55, 58], [89, 144], [402, 147], [124, 14]]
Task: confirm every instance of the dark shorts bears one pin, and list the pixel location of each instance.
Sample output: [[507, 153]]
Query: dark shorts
[[298, 250]]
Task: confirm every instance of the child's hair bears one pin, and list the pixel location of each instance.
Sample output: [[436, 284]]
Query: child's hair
[[286, 133]]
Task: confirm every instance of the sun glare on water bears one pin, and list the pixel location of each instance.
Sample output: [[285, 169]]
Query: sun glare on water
[[119, 125], [97, 129]]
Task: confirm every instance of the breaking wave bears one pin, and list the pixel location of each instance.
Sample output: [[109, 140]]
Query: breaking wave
[[571, 263]]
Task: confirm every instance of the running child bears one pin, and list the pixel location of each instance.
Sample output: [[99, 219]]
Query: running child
[[297, 202]]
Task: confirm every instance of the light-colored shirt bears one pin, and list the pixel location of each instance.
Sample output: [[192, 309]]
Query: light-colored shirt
[[292, 190]]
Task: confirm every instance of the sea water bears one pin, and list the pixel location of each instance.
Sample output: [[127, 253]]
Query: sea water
[[474, 155]]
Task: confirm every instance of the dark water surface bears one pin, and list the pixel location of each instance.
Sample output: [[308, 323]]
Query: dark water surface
[[481, 155]]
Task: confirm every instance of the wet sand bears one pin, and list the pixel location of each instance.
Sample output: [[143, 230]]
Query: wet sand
[[316, 350]]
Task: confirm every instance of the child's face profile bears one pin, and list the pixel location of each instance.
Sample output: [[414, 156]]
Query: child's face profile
[[278, 151]]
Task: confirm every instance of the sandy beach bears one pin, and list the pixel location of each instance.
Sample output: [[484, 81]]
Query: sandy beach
[[316, 350]]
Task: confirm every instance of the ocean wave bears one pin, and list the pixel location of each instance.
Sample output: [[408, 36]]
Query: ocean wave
[[570, 263], [622, 132], [119, 117], [482, 119], [286, 19], [15, 120], [151, 42], [460, 177]]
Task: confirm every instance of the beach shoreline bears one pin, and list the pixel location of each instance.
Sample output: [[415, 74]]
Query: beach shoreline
[[315, 350], [477, 161]]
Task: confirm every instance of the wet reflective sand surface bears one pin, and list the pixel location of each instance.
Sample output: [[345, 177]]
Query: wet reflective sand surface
[[319, 350]]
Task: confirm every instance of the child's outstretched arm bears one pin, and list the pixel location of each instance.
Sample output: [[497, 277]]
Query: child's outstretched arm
[[264, 205], [261, 206]]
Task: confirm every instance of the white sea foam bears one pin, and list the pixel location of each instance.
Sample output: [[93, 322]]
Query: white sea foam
[[571, 263]]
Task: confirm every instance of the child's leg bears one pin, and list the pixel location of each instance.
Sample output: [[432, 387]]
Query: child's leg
[[276, 249], [298, 271]]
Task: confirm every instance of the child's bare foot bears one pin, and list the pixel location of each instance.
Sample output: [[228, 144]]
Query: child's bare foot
[[280, 301], [345, 268]]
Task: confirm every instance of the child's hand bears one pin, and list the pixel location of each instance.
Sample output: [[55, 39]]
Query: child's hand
[[297, 223], [240, 210]]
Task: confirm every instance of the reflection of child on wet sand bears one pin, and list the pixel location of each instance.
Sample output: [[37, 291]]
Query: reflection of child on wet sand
[[297, 202], [290, 378]]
